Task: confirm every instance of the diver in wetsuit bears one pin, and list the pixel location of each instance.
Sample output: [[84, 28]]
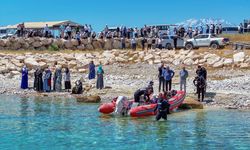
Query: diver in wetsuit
[[162, 109], [145, 92]]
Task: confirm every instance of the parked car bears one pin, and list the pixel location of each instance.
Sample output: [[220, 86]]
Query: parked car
[[206, 40], [168, 42], [5, 36]]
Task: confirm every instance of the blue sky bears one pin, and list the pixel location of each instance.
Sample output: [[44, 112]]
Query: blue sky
[[122, 12]]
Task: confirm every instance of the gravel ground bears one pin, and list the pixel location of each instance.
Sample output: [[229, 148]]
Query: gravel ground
[[226, 88]]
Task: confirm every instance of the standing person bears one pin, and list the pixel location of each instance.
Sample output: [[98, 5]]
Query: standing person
[[47, 81], [62, 28], [207, 29], [149, 40], [18, 30], [159, 42], [217, 29], [220, 29], [69, 31], [175, 38], [58, 80], [39, 80], [183, 79], [22, 29], [46, 31], [168, 75], [91, 70], [200, 84], [161, 77], [133, 44], [78, 38], [123, 42], [100, 83], [201, 30], [143, 41], [67, 83], [162, 108], [24, 82]]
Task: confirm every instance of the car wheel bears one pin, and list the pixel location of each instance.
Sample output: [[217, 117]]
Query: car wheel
[[189, 46], [214, 46], [168, 46]]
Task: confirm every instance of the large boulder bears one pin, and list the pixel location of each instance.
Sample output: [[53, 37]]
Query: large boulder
[[148, 57], [37, 44], [72, 64], [97, 44], [116, 44], [212, 58], [89, 47], [244, 66], [75, 42], [68, 44], [43, 65], [188, 61], [108, 44], [3, 70], [31, 63], [228, 61], [81, 47], [46, 41], [88, 99], [239, 57], [219, 64], [2, 43]]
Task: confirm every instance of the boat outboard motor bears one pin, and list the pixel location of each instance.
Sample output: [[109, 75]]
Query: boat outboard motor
[[78, 87], [122, 106]]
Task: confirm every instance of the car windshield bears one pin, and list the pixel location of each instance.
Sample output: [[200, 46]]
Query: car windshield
[[213, 36]]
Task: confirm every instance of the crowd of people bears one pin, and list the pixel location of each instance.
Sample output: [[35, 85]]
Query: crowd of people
[[165, 76], [46, 81]]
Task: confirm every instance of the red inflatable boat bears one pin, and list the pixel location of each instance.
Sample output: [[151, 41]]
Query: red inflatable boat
[[144, 110]]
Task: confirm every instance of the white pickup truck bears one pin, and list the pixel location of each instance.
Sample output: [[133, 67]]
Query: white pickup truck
[[206, 40]]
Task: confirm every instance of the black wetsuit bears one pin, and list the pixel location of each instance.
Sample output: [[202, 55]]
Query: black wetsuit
[[200, 83], [139, 93], [161, 79], [162, 110]]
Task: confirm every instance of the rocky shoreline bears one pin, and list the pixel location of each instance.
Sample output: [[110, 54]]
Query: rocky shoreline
[[127, 70]]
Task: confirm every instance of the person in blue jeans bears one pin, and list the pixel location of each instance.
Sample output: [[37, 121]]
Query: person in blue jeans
[[168, 74]]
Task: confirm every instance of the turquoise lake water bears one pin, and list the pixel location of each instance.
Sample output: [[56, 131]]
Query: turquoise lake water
[[59, 123]]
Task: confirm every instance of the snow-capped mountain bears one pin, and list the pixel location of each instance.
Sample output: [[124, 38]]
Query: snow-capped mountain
[[203, 22]]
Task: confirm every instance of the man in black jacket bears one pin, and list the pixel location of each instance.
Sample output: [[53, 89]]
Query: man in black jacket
[[161, 78], [145, 92], [200, 84]]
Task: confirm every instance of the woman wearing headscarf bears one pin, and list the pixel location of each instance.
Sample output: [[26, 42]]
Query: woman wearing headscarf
[[24, 82], [39, 80], [91, 70], [58, 80], [99, 83], [47, 81], [67, 83]]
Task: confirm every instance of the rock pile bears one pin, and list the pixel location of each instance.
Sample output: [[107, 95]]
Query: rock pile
[[37, 43], [78, 62]]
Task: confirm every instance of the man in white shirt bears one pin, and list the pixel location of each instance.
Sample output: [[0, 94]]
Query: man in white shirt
[[46, 30]]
